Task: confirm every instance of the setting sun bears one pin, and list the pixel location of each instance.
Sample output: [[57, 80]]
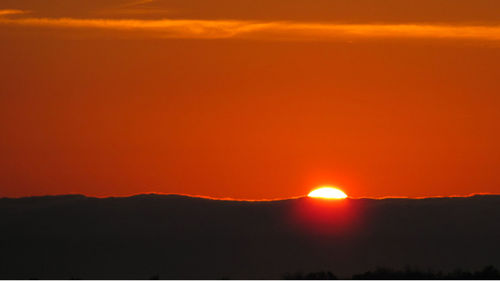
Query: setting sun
[[327, 193]]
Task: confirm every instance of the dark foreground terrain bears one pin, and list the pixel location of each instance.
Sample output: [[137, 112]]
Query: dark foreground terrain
[[170, 236]]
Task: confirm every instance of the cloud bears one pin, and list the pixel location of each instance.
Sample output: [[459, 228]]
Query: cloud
[[134, 8], [11, 12], [137, 3], [265, 30]]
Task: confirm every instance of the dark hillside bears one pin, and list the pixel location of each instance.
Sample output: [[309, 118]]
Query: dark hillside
[[182, 237]]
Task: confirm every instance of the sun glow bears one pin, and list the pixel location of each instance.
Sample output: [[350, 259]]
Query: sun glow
[[327, 193]]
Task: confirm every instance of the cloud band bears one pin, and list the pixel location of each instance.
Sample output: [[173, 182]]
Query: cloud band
[[218, 29]]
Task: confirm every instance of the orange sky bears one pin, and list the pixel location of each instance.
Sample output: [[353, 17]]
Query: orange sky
[[249, 99]]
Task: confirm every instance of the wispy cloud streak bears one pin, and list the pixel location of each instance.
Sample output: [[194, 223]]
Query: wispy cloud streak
[[137, 3], [215, 29], [11, 12]]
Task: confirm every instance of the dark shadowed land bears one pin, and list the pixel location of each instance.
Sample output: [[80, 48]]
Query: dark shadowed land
[[381, 273], [169, 236]]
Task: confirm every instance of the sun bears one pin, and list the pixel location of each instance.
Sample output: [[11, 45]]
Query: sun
[[327, 192]]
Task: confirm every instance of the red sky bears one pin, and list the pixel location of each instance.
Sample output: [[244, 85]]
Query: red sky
[[249, 99]]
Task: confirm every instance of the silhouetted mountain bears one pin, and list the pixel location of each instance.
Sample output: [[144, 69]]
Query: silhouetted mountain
[[170, 236]]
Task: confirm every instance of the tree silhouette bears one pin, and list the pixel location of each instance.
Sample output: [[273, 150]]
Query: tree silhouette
[[383, 273], [322, 275]]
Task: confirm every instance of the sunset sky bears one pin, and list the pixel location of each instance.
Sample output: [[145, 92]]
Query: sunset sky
[[249, 99]]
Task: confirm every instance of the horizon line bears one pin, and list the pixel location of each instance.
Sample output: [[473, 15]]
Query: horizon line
[[255, 200]]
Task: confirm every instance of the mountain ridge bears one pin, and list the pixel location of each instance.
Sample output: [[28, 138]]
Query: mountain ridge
[[183, 237]]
